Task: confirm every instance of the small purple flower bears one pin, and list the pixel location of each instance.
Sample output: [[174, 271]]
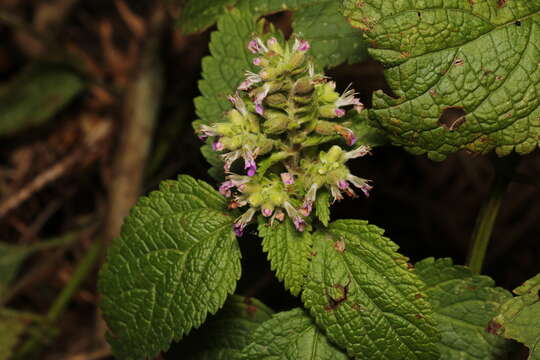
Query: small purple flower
[[225, 188], [238, 229], [257, 61], [299, 223], [253, 46], [206, 131], [238, 103], [336, 193], [217, 145], [307, 206], [229, 158], [360, 151], [251, 79], [343, 184], [300, 45], [340, 112], [280, 215], [272, 41], [267, 211], [360, 183], [249, 163], [347, 134], [256, 46], [259, 99], [242, 221], [287, 178]]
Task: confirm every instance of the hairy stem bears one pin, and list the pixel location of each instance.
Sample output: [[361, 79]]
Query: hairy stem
[[504, 169]]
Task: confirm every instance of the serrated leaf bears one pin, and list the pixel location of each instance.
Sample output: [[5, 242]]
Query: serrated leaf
[[333, 41], [361, 291], [288, 251], [11, 329], [223, 71], [198, 15], [224, 335], [476, 59], [322, 206], [291, 335], [35, 96], [176, 260], [519, 317], [463, 304]]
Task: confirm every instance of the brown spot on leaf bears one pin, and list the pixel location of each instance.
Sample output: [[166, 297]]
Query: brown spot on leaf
[[360, 4], [458, 62], [501, 3], [493, 327], [333, 303], [471, 288], [410, 266], [340, 246], [452, 118], [419, 316], [433, 92], [418, 296]]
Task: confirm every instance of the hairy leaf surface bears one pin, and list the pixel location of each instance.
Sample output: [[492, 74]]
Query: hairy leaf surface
[[288, 251], [198, 15], [291, 335], [519, 317], [465, 73], [322, 206], [176, 260], [463, 304], [224, 335], [363, 294]]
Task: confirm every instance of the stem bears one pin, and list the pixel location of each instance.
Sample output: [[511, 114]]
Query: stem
[[86, 265], [488, 213]]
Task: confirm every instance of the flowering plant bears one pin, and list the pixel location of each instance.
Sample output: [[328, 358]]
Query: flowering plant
[[282, 117]]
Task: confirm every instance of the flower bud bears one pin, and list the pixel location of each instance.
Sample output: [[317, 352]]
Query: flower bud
[[328, 111], [276, 100], [276, 122], [303, 86], [327, 92], [325, 128]]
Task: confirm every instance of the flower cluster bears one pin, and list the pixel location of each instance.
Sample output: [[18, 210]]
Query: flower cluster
[[282, 119]]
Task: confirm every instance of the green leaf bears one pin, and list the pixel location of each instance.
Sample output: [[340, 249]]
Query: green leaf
[[333, 41], [288, 251], [224, 335], [35, 96], [197, 15], [519, 317], [176, 260], [363, 294], [474, 58], [322, 206], [222, 72], [291, 335], [463, 304], [11, 329]]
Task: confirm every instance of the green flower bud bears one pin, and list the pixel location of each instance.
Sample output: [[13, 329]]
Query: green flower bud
[[276, 122], [276, 100], [235, 117], [327, 92], [328, 111], [325, 128], [303, 86]]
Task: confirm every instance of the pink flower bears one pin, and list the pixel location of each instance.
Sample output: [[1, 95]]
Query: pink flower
[[300, 45], [287, 178]]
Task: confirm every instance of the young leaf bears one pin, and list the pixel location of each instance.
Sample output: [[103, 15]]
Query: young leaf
[[361, 291], [463, 304], [465, 73], [35, 96], [198, 15], [519, 317], [291, 335], [224, 335], [322, 207], [288, 251], [176, 260]]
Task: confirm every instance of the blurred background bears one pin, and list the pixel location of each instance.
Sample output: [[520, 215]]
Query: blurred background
[[96, 105]]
